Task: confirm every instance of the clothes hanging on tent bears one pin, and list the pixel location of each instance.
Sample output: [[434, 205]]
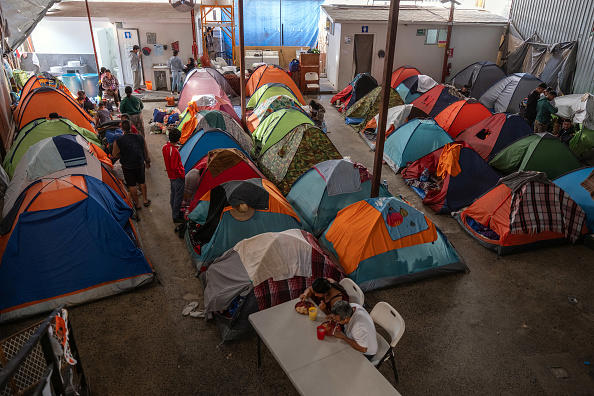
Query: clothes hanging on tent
[[449, 161]]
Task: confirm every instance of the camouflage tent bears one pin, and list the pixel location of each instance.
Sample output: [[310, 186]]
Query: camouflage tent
[[368, 106], [305, 146]]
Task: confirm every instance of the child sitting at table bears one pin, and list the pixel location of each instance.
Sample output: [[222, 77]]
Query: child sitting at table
[[325, 293]]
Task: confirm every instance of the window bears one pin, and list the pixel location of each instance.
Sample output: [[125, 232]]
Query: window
[[434, 36]]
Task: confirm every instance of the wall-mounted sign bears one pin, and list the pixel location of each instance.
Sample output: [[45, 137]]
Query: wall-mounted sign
[[127, 35], [151, 38], [420, 32], [450, 52], [364, 29], [441, 44]]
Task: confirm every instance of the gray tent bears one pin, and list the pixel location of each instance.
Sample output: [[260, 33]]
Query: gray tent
[[480, 76], [507, 94]]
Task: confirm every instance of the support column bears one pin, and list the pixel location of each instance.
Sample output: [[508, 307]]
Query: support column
[[241, 62], [385, 95], [92, 36]]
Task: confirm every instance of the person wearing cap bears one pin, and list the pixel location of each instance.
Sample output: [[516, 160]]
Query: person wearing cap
[[176, 173], [544, 109], [136, 67]]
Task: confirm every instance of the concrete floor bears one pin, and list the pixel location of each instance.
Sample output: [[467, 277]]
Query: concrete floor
[[496, 330]]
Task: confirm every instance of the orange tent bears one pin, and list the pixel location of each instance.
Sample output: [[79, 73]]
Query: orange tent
[[491, 222], [402, 73], [40, 102], [460, 115], [272, 74]]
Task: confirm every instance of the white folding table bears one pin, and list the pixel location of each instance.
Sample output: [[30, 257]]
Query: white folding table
[[328, 366]]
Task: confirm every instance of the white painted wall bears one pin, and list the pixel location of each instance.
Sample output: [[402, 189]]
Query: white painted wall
[[470, 43], [333, 55], [64, 35], [166, 34]]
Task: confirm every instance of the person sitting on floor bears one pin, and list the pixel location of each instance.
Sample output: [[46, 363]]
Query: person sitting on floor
[[567, 131], [325, 292], [84, 101], [359, 330], [103, 115]]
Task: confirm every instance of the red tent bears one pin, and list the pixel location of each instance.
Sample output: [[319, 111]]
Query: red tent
[[460, 115], [220, 166], [402, 73]]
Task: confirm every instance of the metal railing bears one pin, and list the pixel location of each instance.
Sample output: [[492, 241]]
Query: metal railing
[[32, 362]]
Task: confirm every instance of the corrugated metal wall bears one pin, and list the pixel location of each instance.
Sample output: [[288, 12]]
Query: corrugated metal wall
[[557, 21]]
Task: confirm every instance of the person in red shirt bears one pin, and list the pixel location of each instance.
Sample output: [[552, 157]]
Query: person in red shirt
[[176, 174]]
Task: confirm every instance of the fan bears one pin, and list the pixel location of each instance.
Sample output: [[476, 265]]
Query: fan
[[182, 5]]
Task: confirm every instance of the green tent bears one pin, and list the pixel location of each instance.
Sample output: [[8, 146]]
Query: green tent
[[267, 91], [582, 144], [368, 106], [541, 152], [40, 129], [293, 155], [275, 127]]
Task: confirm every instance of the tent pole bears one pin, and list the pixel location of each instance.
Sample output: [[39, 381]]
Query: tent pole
[[444, 72], [241, 62], [385, 94], [92, 37], [194, 44]]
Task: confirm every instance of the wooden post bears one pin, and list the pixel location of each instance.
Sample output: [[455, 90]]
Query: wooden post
[[444, 72], [385, 94], [241, 62], [92, 36]]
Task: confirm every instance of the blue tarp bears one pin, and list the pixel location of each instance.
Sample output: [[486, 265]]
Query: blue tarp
[[264, 19]]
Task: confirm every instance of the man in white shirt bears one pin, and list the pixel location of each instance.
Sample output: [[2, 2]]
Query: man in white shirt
[[359, 330]]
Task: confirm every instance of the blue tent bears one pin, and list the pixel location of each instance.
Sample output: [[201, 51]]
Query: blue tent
[[68, 241], [330, 186], [413, 140], [197, 146], [571, 183]]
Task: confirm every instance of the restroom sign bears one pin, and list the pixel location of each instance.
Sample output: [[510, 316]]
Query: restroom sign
[[364, 29], [127, 35]]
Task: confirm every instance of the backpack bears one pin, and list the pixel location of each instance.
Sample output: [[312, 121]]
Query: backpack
[[294, 66]]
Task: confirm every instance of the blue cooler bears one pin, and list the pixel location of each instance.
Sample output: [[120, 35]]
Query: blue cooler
[[90, 83], [73, 82]]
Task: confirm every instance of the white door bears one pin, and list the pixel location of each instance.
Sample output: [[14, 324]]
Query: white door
[[127, 38]]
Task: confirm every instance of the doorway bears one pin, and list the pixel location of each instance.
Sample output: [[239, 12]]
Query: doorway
[[363, 53], [127, 38]]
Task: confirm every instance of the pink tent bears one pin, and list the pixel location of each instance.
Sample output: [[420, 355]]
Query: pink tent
[[200, 87]]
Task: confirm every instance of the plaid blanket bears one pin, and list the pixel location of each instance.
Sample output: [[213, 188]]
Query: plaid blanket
[[538, 207], [270, 293]]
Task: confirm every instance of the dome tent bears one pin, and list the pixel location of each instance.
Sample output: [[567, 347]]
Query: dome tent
[[381, 242]]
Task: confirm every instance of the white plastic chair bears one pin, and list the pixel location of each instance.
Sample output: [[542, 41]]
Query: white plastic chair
[[353, 290], [385, 316]]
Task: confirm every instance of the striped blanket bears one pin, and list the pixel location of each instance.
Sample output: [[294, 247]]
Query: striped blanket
[[538, 207]]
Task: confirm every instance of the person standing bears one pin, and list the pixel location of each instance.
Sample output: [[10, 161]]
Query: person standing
[[176, 174], [132, 152], [532, 100], [136, 67], [177, 67], [132, 105], [111, 87], [544, 109]]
